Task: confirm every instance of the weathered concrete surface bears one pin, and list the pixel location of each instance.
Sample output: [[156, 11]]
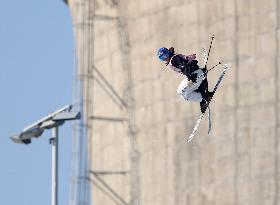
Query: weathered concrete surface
[[239, 163]]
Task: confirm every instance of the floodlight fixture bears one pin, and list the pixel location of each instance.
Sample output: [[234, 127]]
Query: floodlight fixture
[[54, 119]]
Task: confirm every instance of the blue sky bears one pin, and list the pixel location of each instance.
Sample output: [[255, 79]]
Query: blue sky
[[36, 76]]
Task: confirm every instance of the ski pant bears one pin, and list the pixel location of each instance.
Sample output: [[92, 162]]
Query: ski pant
[[193, 91]]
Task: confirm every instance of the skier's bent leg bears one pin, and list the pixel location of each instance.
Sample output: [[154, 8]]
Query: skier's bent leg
[[203, 89], [203, 86]]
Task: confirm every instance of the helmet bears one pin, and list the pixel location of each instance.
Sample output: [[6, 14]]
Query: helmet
[[163, 54]]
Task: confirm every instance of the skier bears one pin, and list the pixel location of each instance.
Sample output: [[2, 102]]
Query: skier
[[195, 86]]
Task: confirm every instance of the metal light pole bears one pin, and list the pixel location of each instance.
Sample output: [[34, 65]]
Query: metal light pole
[[54, 144]]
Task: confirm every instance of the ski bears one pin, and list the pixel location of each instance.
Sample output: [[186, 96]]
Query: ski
[[209, 121], [192, 135]]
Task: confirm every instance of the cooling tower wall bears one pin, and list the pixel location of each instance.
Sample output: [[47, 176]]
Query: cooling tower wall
[[137, 123]]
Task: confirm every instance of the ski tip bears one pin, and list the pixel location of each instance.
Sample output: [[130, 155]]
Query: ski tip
[[225, 67], [189, 138]]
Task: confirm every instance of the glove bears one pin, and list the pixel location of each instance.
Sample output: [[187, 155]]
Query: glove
[[193, 77], [204, 70]]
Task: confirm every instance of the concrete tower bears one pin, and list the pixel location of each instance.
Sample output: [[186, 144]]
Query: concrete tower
[[135, 122]]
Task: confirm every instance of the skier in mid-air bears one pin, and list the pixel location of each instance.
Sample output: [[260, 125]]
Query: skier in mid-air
[[195, 86]]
